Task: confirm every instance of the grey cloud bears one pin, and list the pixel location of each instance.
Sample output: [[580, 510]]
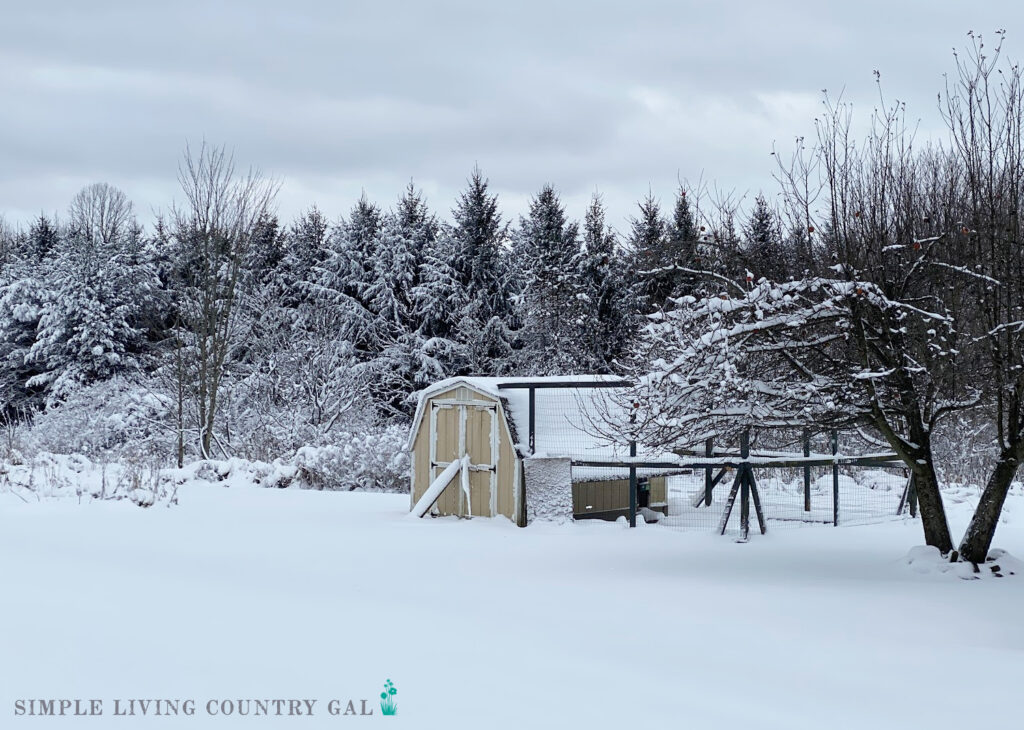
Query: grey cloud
[[335, 97]]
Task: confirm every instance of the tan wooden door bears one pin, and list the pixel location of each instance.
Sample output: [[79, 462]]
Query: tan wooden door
[[459, 428], [482, 447], [444, 449]]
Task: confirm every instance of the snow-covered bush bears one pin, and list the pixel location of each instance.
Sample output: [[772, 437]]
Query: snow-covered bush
[[375, 460], [105, 421]]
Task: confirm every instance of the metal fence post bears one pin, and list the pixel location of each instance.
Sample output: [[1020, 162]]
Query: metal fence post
[[835, 478], [745, 485], [532, 420], [709, 451], [632, 472], [807, 471]]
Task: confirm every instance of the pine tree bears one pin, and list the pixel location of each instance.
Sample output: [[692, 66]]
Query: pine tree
[[377, 284], [724, 250], [608, 302], [268, 250], [440, 297], [411, 358], [647, 248], [479, 303], [306, 247], [9, 243], [548, 247], [680, 252], [799, 248], [418, 230], [101, 291], [341, 282], [764, 254], [682, 231], [477, 239], [42, 238], [22, 296]]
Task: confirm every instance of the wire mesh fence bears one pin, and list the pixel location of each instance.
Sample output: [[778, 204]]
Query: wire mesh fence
[[587, 421], [867, 495]]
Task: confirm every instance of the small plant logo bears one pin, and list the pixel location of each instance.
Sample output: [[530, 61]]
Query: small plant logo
[[388, 706]]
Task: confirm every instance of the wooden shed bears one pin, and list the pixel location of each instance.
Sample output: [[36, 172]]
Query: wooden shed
[[491, 420]]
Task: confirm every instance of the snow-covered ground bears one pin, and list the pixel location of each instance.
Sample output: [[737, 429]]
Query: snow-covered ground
[[248, 593]]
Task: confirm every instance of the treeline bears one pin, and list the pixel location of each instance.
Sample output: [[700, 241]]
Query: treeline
[[251, 334]]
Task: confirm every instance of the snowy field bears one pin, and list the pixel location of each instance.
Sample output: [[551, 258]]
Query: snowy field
[[247, 593]]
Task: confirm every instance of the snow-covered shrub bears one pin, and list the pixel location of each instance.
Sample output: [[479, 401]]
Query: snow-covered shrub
[[375, 460], [105, 421]]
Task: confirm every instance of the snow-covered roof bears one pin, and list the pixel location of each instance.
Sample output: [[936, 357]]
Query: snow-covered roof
[[572, 421], [494, 385]]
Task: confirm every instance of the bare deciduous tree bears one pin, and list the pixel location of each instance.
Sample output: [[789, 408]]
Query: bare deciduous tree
[[214, 228], [984, 109], [101, 214]]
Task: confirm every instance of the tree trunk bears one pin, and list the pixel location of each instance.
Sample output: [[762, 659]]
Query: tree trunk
[[978, 538], [921, 461], [933, 513]]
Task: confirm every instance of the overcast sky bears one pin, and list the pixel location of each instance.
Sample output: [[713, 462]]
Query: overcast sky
[[334, 97]]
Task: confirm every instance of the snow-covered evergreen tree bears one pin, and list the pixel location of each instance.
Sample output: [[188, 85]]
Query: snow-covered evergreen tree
[[609, 305], [22, 295], [764, 254], [725, 247], [441, 301], [552, 313], [398, 251], [480, 309], [682, 233], [407, 360], [341, 282], [306, 246], [100, 293], [682, 237], [647, 249], [377, 284], [268, 250], [477, 240], [43, 235]]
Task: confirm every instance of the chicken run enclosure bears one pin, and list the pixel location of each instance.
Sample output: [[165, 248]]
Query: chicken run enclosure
[[558, 448]]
